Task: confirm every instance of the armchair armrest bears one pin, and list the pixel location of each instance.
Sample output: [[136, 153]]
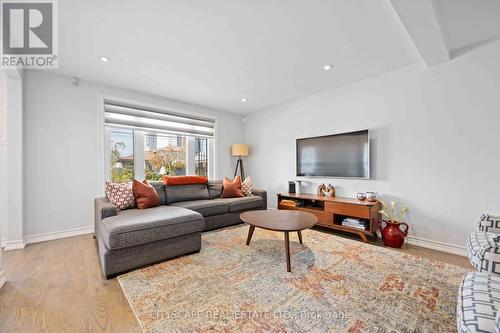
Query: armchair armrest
[[483, 251], [103, 208], [489, 223], [262, 194]]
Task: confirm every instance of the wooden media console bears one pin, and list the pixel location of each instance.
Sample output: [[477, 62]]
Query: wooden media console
[[331, 211]]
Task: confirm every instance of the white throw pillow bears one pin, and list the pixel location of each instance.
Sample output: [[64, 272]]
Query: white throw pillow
[[120, 195], [246, 186]]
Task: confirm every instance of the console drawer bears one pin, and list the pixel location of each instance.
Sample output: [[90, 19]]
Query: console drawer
[[348, 209]]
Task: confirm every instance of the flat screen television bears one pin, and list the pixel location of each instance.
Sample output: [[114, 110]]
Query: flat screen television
[[345, 155]]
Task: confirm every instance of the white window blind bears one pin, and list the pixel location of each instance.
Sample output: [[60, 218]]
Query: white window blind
[[119, 114]]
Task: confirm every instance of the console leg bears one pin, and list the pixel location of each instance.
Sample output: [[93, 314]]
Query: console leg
[[363, 237]]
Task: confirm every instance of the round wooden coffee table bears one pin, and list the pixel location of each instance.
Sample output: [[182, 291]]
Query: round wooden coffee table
[[285, 221]]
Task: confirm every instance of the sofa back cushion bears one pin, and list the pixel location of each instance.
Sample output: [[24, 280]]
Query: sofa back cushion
[[160, 189], [184, 180], [186, 193], [214, 188]]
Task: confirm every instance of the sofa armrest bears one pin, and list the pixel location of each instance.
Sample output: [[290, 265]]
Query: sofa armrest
[[103, 208], [489, 223], [262, 194]]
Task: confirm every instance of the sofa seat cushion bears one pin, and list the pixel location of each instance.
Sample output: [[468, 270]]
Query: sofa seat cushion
[[478, 303], [483, 251], [134, 227], [242, 203], [205, 207]]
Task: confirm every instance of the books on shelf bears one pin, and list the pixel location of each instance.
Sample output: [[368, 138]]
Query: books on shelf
[[291, 203], [354, 223]]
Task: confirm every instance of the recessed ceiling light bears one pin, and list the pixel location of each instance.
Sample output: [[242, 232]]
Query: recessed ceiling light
[[244, 100], [104, 59], [327, 67]]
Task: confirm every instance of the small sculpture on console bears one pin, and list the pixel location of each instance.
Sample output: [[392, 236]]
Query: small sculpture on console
[[329, 191], [320, 190]]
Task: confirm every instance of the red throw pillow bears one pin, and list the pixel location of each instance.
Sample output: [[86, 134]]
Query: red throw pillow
[[145, 195], [232, 189], [184, 180]]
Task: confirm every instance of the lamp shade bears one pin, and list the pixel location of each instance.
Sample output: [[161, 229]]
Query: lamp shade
[[239, 149]]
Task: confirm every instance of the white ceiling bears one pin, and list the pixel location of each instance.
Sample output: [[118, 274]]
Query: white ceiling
[[216, 52], [468, 22]]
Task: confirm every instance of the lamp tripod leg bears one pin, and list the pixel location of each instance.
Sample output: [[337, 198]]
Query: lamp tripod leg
[[242, 172], [236, 169]]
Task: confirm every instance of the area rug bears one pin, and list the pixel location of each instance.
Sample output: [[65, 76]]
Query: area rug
[[336, 285]]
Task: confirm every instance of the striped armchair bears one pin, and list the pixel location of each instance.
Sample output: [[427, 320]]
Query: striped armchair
[[483, 245], [479, 294]]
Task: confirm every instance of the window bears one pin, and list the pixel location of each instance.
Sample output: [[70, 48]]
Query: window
[[147, 143], [122, 155], [164, 155], [201, 156]]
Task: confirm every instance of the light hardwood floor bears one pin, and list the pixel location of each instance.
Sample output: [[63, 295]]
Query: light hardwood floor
[[58, 286]]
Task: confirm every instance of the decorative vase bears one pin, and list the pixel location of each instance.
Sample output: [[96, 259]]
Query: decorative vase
[[298, 186], [371, 196], [361, 196], [392, 235]]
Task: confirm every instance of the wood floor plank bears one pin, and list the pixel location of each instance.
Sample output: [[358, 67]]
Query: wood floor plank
[[58, 286]]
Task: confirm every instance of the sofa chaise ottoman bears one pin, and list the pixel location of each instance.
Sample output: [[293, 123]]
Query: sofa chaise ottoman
[[132, 238]]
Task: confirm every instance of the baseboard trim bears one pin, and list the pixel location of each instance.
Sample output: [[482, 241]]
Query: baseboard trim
[[430, 244], [58, 235], [436, 245], [14, 245], [3, 279]]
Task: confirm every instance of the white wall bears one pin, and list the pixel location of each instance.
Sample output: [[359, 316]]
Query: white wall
[[435, 140], [62, 136], [3, 166], [15, 198], [3, 154], [11, 159]]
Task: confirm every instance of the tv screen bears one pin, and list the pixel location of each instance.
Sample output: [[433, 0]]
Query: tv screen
[[345, 155]]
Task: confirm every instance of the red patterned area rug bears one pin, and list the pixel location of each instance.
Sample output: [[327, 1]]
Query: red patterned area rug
[[336, 285]]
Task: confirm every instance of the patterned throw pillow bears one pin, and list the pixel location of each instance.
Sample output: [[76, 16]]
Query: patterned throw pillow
[[120, 195], [246, 187]]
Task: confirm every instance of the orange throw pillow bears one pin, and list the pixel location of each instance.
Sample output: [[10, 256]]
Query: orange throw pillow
[[145, 195], [232, 189], [184, 180]]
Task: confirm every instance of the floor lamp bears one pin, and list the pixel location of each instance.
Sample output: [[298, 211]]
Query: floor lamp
[[239, 149]]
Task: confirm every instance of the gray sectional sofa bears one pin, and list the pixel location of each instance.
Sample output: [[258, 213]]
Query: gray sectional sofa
[[132, 238]]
